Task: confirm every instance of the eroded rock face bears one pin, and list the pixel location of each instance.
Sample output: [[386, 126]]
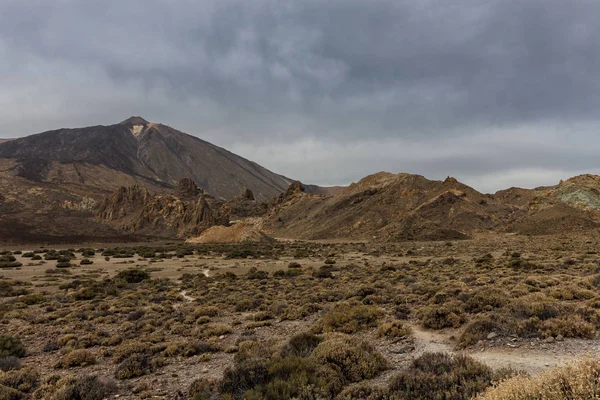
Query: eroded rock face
[[124, 201], [171, 215], [185, 213], [188, 188]]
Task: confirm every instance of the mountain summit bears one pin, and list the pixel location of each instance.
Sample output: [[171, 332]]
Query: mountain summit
[[135, 149], [52, 182]]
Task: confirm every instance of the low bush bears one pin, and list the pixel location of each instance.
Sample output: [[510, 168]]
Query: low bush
[[9, 363], [348, 318], [11, 346], [575, 381], [24, 380], [301, 345], [133, 275], [77, 358], [84, 387], [133, 367], [435, 376], [446, 315], [394, 329], [354, 359]]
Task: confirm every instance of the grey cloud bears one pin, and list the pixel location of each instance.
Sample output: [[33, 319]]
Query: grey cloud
[[338, 72]]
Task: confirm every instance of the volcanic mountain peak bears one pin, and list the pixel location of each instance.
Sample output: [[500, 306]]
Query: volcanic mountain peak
[[134, 120], [136, 150]]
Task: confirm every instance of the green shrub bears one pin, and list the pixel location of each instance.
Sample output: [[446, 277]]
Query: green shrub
[[289, 273], [77, 358], [485, 299], [479, 329], [63, 264], [11, 346], [394, 329], [435, 376], [364, 392], [133, 366], [24, 380], [188, 349], [301, 345], [348, 318], [9, 363], [354, 359], [7, 393], [85, 387], [133, 275], [439, 316], [574, 381]]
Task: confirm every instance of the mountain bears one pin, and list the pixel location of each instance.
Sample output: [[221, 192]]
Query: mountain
[[139, 179], [389, 207], [392, 207], [52, 183], [153, 154]]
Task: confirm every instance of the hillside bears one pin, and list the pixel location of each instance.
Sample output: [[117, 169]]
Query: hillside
[[135, 149], [52, 183], [393, 207]]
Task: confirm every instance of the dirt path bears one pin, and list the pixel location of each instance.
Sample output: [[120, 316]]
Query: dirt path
[[531, 356]]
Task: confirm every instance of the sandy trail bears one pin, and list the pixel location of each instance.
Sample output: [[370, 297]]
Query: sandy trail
[[523, 358]]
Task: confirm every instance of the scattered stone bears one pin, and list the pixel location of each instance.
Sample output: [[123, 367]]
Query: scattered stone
[[560, 338], [403, 349], [492, 335], [549, 339]]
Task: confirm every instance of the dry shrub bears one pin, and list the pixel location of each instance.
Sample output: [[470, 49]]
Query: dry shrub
[[354, 359], [23, 380], [86, 387], [440, 316], [394, 329], [479, 329], [348, 318], [436, 376], [301, 345], [134, 366], [568, 326], [575, 381], [188, 349], [10, 363], [7, 393], [77, 358], [130, 348], [485, 299], [364, 392], [11, 346]]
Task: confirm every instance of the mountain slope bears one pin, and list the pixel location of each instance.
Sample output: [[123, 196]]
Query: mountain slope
[[52, 183], [153, 154]]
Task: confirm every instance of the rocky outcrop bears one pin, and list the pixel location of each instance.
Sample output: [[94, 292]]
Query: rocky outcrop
[[187, 188], [388, 207], [169, 215], [243, 206], [123, 202], [238, 233], [187, 212]]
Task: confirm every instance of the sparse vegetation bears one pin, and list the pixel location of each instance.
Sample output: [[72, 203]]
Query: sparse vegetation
[[276, 330]]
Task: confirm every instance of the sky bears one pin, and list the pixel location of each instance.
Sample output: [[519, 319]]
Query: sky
[[496, 93]]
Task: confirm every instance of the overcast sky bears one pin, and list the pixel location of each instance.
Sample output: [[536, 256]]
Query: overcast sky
[[495, 93]]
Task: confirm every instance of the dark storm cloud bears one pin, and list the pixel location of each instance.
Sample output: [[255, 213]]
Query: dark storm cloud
[[282, 75]]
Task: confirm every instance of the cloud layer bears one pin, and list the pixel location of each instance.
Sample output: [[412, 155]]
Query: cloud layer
[[496, 93]]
